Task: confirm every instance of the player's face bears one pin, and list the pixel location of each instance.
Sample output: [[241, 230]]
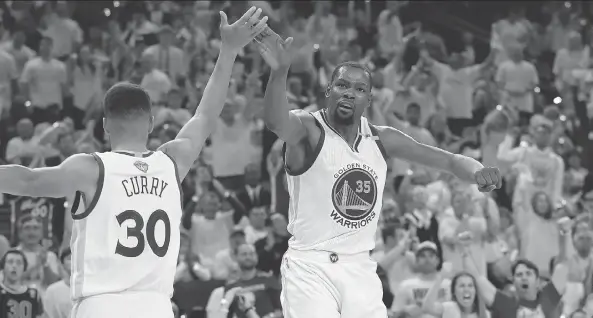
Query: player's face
[[14, 267], [427, 261], [465, 291], [349, 95], [246, 257], [524, 279]]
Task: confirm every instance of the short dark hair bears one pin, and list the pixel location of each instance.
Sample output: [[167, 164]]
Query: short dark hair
[[13, 251], [124, 100], [527, 263], [353, 65]]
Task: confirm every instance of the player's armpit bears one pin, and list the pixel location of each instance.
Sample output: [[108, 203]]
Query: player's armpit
[[292, 130], [76, 173], [186, 147]]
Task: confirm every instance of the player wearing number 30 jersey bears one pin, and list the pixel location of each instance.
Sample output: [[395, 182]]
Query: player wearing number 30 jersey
[[125, 238]]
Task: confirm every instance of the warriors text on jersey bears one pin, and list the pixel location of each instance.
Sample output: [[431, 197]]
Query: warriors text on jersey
[[335, 203], [25, 304], [128, 237]]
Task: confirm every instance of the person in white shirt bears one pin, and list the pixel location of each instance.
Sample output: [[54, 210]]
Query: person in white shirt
[[517, 79], [8, 81], [256, 229], [225, 265], [19, 51], [56, 300], [64, 32], [411, 292], [44, 82], [156, 83], [169, 59], [537, 164], [395, 256], [456, 86]]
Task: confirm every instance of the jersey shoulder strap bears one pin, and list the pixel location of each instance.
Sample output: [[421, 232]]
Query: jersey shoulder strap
[[375, 133]]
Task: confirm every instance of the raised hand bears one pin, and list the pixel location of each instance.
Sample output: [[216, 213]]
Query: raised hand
[[488, 179], [284, 52], [235, 36]]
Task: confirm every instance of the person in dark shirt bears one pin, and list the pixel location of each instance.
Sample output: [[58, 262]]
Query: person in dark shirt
[[531, 300], [261, 289], [16, 299]]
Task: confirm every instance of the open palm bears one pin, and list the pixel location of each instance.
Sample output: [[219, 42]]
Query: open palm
[[285, 51], [235, 36]]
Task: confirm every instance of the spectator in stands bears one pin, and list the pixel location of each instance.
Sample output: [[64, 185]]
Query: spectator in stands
[[463, 215], [271, 249], [464, 296], [531, 298], [56, 300], [154, 81], [395, 257], [44, 267], [517, 79], [259, 288], [253, 194], [169, 59], [64, 32], [19, 51], [44, 83], [412, 291], [225, 263], [539, 165], [172, 111], [256, 229], [8, 81]]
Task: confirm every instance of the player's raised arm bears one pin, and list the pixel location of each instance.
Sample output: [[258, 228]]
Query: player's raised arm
[[77, 173], [287, 125], [398, 144], [190, 140]]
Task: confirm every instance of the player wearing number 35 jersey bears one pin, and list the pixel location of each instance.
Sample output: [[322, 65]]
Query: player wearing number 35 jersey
[[127, 202]]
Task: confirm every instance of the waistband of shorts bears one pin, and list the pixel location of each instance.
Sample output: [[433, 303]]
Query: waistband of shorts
[[327, 256]]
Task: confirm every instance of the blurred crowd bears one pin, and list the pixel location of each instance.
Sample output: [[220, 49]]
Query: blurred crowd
[[515, 94]]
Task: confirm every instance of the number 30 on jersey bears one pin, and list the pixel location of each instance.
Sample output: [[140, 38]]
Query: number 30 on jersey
[[136, 232]]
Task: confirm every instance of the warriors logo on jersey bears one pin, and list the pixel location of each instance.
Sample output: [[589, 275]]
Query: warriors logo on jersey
[[354, 195]]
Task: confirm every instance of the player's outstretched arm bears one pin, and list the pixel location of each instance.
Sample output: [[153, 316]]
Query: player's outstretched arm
[[76, 173], [287, 125], [186, 147], [398, 144]]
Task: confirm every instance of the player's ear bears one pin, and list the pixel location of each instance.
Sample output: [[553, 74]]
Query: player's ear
[[105, 125], [150, 124], [327, 89]]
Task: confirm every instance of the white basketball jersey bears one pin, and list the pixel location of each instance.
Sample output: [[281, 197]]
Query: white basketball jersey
[[128, 238], [335, 203]]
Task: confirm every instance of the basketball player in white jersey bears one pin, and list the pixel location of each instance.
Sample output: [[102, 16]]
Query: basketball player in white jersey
[[125, 243], [336, 166]]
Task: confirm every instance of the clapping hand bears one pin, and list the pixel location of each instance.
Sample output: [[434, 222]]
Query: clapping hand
[[235, 36], [564, 224]]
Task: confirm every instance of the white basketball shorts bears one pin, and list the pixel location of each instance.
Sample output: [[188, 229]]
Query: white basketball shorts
[[124, 305], [318, 284]]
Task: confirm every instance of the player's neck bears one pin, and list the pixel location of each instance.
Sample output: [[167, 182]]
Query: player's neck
[[348, 131], [128, 146]]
